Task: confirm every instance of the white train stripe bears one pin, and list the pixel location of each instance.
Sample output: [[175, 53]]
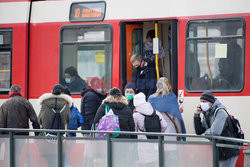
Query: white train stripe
[[14, 12], [58, 11]]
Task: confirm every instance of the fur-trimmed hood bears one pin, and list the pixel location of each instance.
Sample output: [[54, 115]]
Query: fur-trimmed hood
[[47, 96], [117, 99]]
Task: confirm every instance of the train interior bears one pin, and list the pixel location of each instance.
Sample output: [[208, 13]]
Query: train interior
[[135, 34]]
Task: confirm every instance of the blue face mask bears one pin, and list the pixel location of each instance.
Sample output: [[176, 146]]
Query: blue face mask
[[67, 80]]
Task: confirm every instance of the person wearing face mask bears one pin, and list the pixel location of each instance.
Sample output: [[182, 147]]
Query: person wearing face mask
[[73, 81], [129, 91], [144, 77], [92, 97], [215, 122]]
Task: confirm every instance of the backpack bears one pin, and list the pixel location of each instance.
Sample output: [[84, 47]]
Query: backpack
[[109, 122], [152, 123], [56, 122], [237, 131]]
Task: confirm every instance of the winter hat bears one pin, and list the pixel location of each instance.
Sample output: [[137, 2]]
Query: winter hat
[[58, 89], [130, 86], [208, 96], [115, 92], [139, 99], [95, 83]]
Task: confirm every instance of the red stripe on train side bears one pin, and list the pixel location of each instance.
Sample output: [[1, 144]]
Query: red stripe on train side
[[45, 53], [19, 55]]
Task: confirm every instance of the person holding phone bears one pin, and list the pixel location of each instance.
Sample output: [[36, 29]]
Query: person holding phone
[[215, 123]]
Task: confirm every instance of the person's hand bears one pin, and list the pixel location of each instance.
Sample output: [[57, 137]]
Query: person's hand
[[198, 109]]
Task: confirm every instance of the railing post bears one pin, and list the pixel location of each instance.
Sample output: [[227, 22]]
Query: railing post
[[215, 154], [12, 149], [109, 150], [161, 151], [59, 149]]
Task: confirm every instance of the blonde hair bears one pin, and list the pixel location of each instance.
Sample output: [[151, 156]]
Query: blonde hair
[[163, 87], [135, 57]]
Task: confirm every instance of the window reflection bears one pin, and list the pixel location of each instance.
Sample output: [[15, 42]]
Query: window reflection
[[89, 51], [215, 57]]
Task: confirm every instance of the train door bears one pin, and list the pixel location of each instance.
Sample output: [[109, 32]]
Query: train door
[[133, 38], [134, 45]]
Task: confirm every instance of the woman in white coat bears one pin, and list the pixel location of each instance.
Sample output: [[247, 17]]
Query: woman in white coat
[[147, 152]]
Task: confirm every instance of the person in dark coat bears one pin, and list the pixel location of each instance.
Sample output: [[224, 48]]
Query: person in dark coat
[[215, 124], [129, 91], [16, 112], [57, 101], [50, 103], [91, 100], [119, 105], [73, 81], [145, 76]]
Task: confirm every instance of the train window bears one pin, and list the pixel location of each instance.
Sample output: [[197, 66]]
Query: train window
[[215, 55], [5, 59], [137, 41], [86, 52]]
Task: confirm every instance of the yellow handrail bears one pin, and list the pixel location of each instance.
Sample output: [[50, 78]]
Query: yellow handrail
[[4, 70], [208, 64], [156, 55]]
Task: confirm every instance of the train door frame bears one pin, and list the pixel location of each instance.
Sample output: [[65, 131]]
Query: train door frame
[[173, 58]]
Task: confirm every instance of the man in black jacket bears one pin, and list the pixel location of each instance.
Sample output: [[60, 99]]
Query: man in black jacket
[[16, 113], [215, 122], [145, 76]]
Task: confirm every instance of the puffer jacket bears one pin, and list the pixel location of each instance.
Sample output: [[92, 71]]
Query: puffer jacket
[[146, 109], [16, 112], [90, 102], [145, 153], [218, 125], [76, 120], [48, 102], [120, 108]]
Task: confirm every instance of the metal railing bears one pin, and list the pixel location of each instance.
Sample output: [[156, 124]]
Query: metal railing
[[111, 144]]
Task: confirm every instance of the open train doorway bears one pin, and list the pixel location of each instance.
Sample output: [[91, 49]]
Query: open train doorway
[[134, 41]]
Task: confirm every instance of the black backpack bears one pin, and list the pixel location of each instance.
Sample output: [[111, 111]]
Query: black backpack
[[152, 123], [56, 122], [236, 128]]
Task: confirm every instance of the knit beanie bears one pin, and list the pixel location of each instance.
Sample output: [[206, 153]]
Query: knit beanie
[[208, 96], [115, 92], [130, 86], [139, 99]]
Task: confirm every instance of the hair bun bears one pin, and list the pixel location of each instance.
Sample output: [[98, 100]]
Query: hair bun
[[57, 89]]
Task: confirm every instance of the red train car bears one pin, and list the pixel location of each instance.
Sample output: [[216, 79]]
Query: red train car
[[205, 45]]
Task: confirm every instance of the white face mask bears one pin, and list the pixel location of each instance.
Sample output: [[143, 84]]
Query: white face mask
[[67, 80], [99, 90], [204, 106]]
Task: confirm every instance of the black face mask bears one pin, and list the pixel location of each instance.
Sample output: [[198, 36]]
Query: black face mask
[[139, 67]]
